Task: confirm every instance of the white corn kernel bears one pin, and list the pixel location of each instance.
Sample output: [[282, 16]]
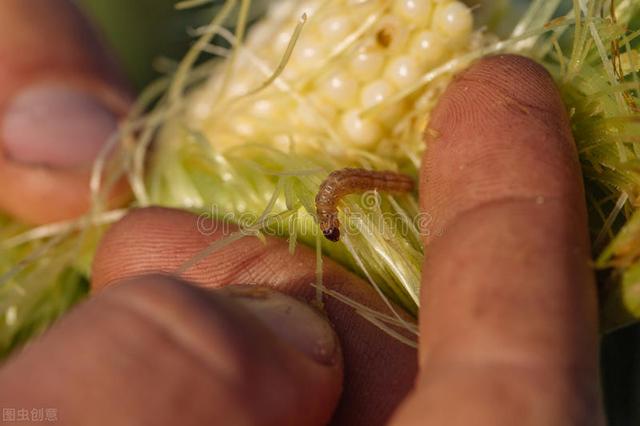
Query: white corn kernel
[[362, 132], [281, 41], [453, 19], [238, 87], [265, 108], [260, 34], [243, 126], [340, 89], [375, 92], [335, 28], [309, 8], [280, 10], [429, 48], [391, 33], [366, 64], [402, 71], [307, 55], [415, 11]]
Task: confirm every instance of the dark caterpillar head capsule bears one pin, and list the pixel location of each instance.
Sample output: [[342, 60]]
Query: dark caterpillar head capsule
[[332, 234]]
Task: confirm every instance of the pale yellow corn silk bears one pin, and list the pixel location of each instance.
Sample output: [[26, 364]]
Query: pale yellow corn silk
[[317, 86]]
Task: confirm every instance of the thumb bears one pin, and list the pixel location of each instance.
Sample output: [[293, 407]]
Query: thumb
[[153, 350], [60, 100]]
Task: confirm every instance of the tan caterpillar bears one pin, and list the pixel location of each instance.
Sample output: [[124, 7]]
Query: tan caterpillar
[[350, 181]]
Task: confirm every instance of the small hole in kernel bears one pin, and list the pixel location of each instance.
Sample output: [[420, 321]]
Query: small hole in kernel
[[384, 38]]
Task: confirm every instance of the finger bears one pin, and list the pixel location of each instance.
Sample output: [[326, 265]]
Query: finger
[[154, 350], [379, 371], [60, 99], [508, 320]]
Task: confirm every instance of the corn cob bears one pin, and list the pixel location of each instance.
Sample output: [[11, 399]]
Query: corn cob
[[331, 79]]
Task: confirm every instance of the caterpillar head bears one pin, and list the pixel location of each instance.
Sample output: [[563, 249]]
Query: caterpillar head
[[332, 234]]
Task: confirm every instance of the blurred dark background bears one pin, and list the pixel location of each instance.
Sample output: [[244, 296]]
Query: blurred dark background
[[140, 31], [620, 359]]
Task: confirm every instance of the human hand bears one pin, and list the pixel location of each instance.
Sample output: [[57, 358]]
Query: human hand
[[508, 325]]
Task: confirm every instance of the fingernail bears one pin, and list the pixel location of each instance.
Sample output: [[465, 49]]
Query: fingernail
[[293, 321], [57, 126]]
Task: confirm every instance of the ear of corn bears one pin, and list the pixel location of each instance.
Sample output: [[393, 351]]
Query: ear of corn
[[348, 59], [273, 121], [322, 85]]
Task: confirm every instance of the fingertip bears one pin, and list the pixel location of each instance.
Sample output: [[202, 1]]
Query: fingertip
[[41, 195], [501, 83], [150, 341], [60, 102], [60, 124], [294, 322], [499, 131]]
